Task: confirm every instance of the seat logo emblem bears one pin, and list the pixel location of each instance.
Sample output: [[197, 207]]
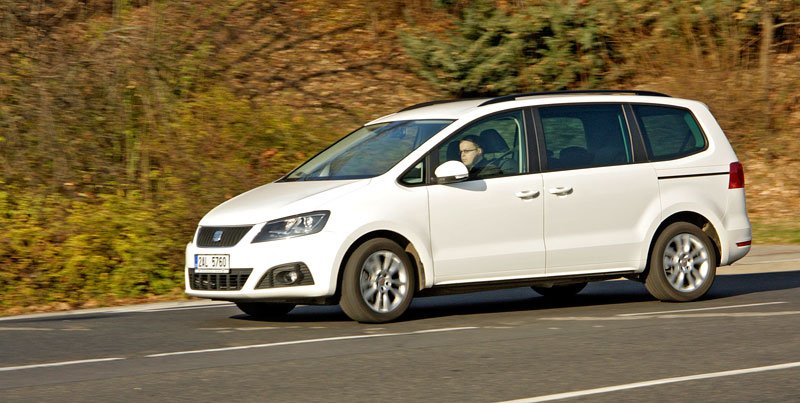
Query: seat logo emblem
[[217, 236]]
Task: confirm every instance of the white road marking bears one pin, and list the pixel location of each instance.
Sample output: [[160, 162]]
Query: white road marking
[[287, 343], [184, 308], [677, 316], [729, 315], [703, 309], [26, 329], [655, 382], [220, 329], [140, 308], [245, 329], [43, 329], [446, 329], [765, 262], [58, 364]]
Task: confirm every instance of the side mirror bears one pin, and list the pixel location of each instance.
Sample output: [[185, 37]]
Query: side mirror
[[451, 172]]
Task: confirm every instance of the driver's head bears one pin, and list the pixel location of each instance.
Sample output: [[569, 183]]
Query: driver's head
[[471, 152]]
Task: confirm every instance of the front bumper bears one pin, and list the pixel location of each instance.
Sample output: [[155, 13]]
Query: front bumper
[[251, 262]]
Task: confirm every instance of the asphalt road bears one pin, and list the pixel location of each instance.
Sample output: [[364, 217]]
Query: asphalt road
[[611, 343]]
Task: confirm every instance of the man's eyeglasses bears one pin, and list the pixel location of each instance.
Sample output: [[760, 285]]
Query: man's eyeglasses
[[468, 151]]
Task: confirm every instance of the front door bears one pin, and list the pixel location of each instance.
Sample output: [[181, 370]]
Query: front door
[[489, 227]]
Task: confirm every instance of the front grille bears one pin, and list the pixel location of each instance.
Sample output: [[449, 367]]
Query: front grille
[[232, 281], [228, 236]]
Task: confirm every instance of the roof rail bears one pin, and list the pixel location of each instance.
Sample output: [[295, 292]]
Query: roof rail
[[423, 104], [512, 97]]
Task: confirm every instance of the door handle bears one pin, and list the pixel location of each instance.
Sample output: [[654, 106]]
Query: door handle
[[560, 191], [527, 194]]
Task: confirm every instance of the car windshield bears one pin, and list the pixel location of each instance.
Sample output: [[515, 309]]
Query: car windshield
[[369, 151]]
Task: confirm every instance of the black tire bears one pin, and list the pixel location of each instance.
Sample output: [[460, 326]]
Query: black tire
[[378, 282], [265, 310], [683, 264], [563, 291]]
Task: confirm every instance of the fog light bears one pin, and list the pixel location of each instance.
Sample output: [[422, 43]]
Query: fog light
[[287, 276]]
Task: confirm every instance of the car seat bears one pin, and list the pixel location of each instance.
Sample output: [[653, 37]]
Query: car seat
[[492, 143], [574, 157], [453, 153]]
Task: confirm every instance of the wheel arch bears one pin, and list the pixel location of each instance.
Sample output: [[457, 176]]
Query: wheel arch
[[690, 217], [399, 239]]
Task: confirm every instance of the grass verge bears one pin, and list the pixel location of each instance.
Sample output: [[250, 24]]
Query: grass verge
[[783, 232]]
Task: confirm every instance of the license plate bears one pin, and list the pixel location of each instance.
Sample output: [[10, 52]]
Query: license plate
[[217, 264]]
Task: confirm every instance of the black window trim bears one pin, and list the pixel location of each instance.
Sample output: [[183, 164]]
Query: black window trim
[[541, 150], [425, 168], [532, 140], [637, 138], [536, 148], [693, 175]]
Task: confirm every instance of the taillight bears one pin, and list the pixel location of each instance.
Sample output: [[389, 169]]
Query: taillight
[[736, 177]]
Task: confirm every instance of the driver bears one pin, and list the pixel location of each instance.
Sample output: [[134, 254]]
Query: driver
[[472, 156]]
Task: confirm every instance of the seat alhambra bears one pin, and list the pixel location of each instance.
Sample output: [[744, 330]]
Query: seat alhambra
[[542, 190]]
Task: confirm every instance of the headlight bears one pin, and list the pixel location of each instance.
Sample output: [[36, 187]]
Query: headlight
[[289, 227]]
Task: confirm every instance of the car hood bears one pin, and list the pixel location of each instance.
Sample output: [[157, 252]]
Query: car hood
[[278, 199]]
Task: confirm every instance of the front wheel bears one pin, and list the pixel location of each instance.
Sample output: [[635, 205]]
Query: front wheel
[[378, 282], [683, 264]]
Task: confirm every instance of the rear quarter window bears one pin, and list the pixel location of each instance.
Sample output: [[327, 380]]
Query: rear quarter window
[[669, 132]]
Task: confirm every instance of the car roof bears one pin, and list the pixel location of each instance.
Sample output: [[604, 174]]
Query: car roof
[[434, 110], [455, 109]]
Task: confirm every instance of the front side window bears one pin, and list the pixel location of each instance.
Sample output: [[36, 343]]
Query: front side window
[[494, 146], [669, 132], [585, 136], [369, 151]]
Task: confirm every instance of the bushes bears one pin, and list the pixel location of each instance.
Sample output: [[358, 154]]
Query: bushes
[[75, 251], [71, 246], [550, 45], [116, 136], [103, 238], [25, 247], [547, 46]]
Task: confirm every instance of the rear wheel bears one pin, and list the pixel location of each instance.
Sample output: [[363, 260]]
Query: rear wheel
[[378, 282], [683, 264], [265, 310], [560, 291]]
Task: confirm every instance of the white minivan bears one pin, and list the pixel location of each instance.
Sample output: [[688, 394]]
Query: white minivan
[[547, 190]]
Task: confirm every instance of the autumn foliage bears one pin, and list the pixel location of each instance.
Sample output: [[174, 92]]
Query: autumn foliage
[[123, 121]]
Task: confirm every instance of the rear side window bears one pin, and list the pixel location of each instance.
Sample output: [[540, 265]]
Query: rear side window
[[668, 132], [585, 136]]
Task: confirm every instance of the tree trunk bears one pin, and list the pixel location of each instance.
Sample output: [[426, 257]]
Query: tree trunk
[[764, 56]]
